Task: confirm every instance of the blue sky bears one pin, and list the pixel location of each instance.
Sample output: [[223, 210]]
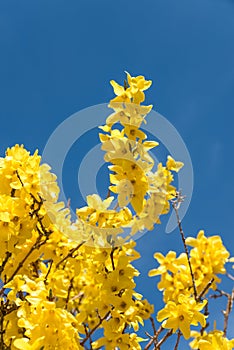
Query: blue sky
[[57, 57]]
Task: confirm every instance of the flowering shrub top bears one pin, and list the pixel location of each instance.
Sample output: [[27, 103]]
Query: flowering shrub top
[[63, 280]]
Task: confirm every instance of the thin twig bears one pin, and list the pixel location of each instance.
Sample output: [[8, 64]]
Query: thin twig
[[153, 325], [94, 329], [154, 338], [226, 313], [8, 255], [112, 258], [166, 336], [49, 269], [177, 340], [37, 245], [185, 248], [2, 314], [69, 292], [205, 289], [154, 329], [230, 276], [206, 313], [69, 255]]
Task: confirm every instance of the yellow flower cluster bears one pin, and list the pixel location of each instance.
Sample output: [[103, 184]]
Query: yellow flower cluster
[[210, 341], [183, 304], [62, 280], [57, 288], [147, 192]]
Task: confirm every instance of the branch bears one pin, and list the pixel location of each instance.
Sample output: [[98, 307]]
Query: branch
[[37, 245], [94, 329], [69, 292], [178, 340], [153, 325], [227, 312], [112, 258], [8, 255], [2, 331], [166, 336], [49, 269], [205, 289], [175, 207], [154, 338], [230, 276], [69, 255], [206, 313]]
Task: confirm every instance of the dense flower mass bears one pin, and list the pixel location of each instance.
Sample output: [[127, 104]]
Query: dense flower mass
[[72, 284]]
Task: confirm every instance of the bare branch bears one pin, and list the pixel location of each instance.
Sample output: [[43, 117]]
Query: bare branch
[[175, 207]]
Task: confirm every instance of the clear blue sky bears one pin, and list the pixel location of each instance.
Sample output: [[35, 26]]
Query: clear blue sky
[[57, 57]]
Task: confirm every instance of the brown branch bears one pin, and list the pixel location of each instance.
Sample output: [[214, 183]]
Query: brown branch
[[154, 338], [108, 193], [153, 325], [177, 340], [2, 331], [227, 312], [166, 336], [69, 292], [94, 329], [154, 329], [206, 313], [49, 269], [215, 296], [112, 258], [69, 255], [39, 202], [205, 289], [37, 245], [87, 335], [185, 248], [8, 255]]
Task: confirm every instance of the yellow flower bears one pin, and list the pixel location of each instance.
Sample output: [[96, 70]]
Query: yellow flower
[[127, 113], [137, 186], [98, 214], [25, 344], [208, 257], [173, 165], [133, 133], [167, 263], [15, 285], [137, 86], [123, 95], [182, 315]]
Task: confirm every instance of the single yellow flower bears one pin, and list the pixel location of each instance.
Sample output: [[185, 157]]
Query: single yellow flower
[[123, 95]]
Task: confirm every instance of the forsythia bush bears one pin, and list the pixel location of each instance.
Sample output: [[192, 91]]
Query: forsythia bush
[[71, 284]]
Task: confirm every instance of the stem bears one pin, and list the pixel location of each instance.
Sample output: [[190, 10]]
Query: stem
[[186, 249], [153, 325], [227, 311], [94, 329], [166, 336], [206, 313], [35, 246], [178, 340], [205, 289], [1, 326], [69, 292], [69, 255], [8, 255], [154, 339], [49, 269], [112, 258], [230, 276]]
